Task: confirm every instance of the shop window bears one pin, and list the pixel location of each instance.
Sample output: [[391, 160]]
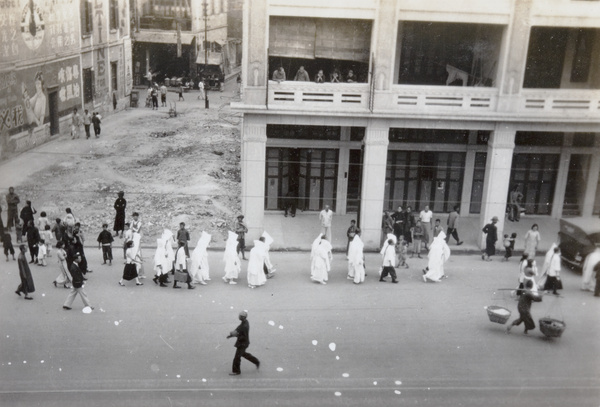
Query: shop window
[[478, 181], [584, 139], [86, 17], [535, 177], [448, 54], [545, 57], [357, 133], [533, 138], [404, 135], [303, 132], [582, 58]]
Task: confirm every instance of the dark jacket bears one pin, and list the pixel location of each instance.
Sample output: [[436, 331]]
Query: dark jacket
[[491, 232], [243, 334], [76, 275]]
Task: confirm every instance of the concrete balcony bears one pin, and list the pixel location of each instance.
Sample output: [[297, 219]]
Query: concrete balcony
[[319, 97]]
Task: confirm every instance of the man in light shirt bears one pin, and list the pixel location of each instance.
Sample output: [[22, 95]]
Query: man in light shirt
[[389, 261], [325, 217], [425, 217]]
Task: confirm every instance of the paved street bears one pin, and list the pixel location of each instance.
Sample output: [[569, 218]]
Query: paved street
[[406, 344]]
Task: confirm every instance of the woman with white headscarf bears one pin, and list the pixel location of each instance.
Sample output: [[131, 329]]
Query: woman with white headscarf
[[168, 239], [137, 250], [231, 259], [320, 260], [268, 266], [588, 282], [256, 275], [162, 264], [356, 261], [199, 268], [439, 253]]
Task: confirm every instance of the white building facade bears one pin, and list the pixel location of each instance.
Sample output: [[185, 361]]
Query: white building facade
[[439, 103]]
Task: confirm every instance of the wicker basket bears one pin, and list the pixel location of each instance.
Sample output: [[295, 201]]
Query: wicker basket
[[498, 317], [552, 328]]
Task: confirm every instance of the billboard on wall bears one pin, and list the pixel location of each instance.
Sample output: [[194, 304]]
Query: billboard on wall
[[31, 29], [24, 94]]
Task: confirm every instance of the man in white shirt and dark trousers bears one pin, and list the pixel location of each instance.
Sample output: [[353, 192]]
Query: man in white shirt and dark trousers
[[325, 217], [425, 217], [389, 262]]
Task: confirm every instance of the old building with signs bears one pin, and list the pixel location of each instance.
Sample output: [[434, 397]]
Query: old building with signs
[[56, 55], [430, 102]]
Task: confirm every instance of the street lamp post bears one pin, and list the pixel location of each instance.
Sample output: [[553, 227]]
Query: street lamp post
[[205, 7]]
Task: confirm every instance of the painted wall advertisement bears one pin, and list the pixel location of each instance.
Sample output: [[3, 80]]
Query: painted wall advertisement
[[37, 28], [24, 95]]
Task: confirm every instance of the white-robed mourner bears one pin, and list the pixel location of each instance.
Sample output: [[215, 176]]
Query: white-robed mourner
[[233, 265], [356, 261], [137, 249], [268, 242], [321, 257], [439, 253], [162, 264], [256, 275], [199, 269], [588, 282], [169, 239]]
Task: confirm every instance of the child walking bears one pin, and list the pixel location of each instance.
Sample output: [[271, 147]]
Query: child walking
[[42, 253], [509, 245], [46, 234], [402, 248], [105, 239], [7, 244], [19, 230]]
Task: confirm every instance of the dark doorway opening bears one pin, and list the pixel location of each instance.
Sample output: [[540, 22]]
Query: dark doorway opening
[[53, 103]]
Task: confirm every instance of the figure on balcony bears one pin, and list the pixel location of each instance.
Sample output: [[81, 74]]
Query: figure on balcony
[[302, 75], [335, 76], [279, 75], [351, 77], [320, 78]]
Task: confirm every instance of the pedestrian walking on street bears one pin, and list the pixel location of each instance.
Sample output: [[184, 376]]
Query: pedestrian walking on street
[[439, 253], [242, 333], [181, 267], [96, 121], [326, 217], [389, 261], [105, 239], [550, 279], [26, 287], [130, 270], [63, 278], [240, 229], [162, 264], [127, 237], [321, 257], [532, 240], [524, 308], [491, 237], [409, 223], [75, 124], [267, 266], [181, 93], [356, 260], [7, 244], [12, 208], [69, 222], [163, 95], [452, 224], [509, 246], [33, 240], [87, 121], [588, 282], [154, 95], [79, 248], [387, 225], [120, 206], [77, 287], [256, 261], [232, 260], [199, 268], [184, 236], [352, 231], [437, 228]]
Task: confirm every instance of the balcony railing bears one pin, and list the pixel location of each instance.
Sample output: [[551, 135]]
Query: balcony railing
[[310, 95], [436, 100]]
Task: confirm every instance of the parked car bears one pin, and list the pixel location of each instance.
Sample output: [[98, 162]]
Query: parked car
[[578, 238]]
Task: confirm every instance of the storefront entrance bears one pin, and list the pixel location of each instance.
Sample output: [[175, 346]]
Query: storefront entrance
[[535, 177], [419, 178], [307, 175]]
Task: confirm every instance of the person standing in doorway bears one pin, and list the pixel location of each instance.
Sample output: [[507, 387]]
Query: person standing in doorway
[[77, 285], [96, 120], [87, 121], [453, 226], [491, 237], [326, 217], [120, 205], [242, 333], [425, 216]]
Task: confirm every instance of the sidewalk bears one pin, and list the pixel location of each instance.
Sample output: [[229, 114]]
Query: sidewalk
[[298, 233]]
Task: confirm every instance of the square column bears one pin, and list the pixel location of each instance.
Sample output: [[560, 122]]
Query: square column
[[592, 183], [497, 178], [373, 182], [253, 162], [562, 178]]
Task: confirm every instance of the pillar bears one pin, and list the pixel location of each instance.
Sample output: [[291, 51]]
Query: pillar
[[253, 161], [560, 188], [591, 185], [373, 182], [497, 178], [342, 177], [467, 187]]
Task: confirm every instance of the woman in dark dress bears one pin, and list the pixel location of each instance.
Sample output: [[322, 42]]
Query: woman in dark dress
[[120, 205], [26, 287], [130, 270]]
